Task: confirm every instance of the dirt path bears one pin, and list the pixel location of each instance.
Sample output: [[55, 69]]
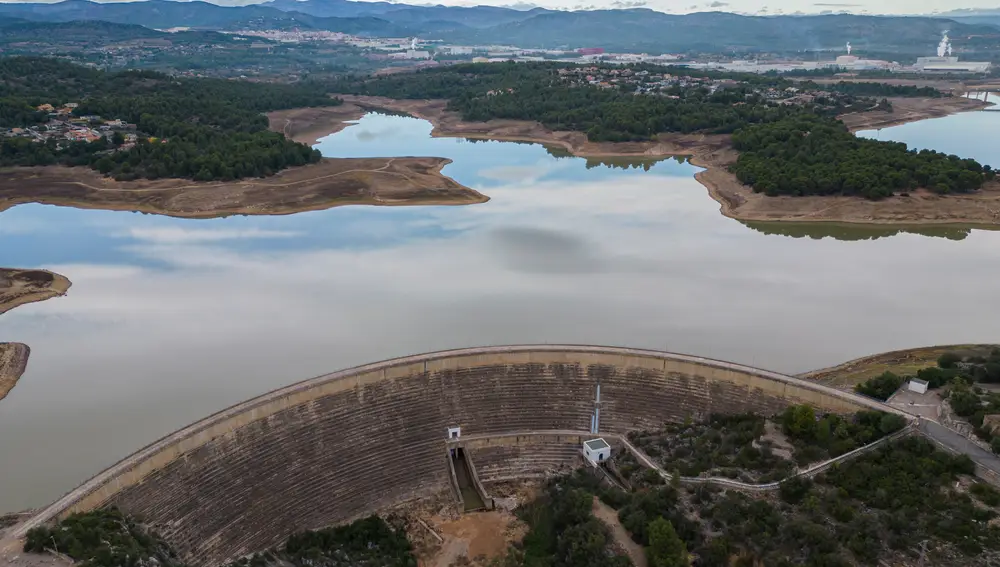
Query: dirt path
[[609, 516]]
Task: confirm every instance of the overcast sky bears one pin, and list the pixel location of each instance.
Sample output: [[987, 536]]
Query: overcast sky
[[686, 6]]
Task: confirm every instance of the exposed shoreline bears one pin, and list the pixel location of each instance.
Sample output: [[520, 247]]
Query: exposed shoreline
[[906, 110], [308, 125], [20, 287], [330, 183], [714, 153]]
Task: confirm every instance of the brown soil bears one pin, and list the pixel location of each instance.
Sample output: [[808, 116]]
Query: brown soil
[[18, 287], [476, 538], [13, 361], [901, 362], [624, 541], [906, 110], [308, 125], [329, 183], [715, 154]]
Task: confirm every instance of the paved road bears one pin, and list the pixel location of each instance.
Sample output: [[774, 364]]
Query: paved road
[[960, 444]]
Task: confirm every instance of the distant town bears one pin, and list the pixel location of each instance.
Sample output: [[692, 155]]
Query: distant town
[[421, 53]]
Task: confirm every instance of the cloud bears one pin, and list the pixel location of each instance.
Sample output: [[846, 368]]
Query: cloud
[[828, 5], [718, 4], [180, 235], [626, 4]]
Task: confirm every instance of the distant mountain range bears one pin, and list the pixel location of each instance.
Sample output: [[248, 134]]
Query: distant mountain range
[[981, 16], [638, 30]]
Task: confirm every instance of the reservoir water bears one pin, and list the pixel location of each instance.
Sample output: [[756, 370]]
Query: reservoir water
[[169, 320]]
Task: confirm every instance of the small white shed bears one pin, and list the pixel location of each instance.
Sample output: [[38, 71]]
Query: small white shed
[[596, 450], [918, 386]]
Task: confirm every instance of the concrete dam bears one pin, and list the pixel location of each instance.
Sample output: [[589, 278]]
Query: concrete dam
[[340, 446]]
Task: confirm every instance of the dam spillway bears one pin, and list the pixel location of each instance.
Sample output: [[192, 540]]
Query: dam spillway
[[340, 446]]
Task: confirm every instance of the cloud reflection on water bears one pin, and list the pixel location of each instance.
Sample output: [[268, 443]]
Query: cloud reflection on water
[[169, 320]]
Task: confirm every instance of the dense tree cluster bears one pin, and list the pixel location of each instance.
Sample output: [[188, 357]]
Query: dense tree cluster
[[873, 89], [813, 155], [204, 129], [833, 435], [369, 542], [785, 149], [875, 508], [881, 387], [563, 531], [103, 538], [536, 92], [722, 445], [737, 446]]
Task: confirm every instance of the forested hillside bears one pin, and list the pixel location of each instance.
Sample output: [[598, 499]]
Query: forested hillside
[[535, 91], [809, 155], [196, 128], [789, 144]]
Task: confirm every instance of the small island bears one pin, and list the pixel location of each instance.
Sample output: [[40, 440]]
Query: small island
[[19, 287]]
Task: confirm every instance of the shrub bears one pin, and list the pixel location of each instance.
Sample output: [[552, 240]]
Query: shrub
[[880, 387], [948, 360]]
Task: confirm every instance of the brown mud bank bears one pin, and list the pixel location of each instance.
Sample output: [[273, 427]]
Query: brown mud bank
[[905, 110], [308, 125], [715, 154], [329, 183], [18, 287]]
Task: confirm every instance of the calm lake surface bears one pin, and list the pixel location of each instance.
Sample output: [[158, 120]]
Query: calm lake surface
[[169, 320]]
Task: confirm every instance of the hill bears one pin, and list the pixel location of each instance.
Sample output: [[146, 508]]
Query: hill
[[637, 30], [142, 124], [162, 14], [717, 31]]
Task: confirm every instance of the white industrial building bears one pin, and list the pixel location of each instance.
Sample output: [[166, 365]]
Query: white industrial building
[[945, 62], [917, 386]]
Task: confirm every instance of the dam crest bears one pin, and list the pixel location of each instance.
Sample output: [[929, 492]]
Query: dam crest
[[343, 445]]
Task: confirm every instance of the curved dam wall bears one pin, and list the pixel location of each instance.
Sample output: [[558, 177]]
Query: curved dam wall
[[333, 448]]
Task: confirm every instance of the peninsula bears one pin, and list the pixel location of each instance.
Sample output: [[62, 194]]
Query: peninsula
[[195, 148], [19, 287], [715, 153]]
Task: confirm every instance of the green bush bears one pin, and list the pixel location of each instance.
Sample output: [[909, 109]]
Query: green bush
[[102, 538], [795, 489], [948, 360], [985, 493], [880, 387]]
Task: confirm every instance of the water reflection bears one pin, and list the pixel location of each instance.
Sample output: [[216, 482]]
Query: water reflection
[[850, 232], [170, 319], [966, 134]]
